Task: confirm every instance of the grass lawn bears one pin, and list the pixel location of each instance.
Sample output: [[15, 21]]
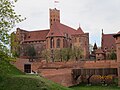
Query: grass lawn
[[29, 82], [13, 79], [84, 87]]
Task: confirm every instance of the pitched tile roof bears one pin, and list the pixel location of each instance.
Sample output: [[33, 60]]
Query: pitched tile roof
[[99, 51], [118, 34], [66, 29], [79, 31], [36, 35], [55, 31], [108, 42], [59, 29]]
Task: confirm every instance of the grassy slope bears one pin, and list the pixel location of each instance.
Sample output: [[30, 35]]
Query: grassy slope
[[81, 87], [12, 79], [8, 69]]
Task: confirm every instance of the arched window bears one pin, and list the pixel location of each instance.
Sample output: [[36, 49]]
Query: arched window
[[58, 43]]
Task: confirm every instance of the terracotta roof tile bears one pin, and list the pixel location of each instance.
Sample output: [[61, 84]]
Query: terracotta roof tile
[[118, 34], [108, 41], [36, 35], [55, 31], [66, 29], [99, 51], [79, 31], [59, 29]]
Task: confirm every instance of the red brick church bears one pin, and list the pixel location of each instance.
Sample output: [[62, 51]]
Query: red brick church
[[57, 37]]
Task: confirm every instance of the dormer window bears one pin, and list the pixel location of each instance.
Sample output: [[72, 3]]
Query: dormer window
[[28, 36], [105, 48], [52, 33]]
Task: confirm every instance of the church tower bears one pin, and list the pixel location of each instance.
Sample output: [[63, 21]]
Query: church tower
[[54, 16]]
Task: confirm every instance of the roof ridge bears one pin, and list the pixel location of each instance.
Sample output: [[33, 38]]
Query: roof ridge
[[67, 26], [39, 30], [109, 34]]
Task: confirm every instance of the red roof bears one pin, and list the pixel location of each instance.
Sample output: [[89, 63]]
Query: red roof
[[108, 42], [59, 29], [79, 31], [118, 32], [99, 51], [66, 29], [36, 35], [55, 31], [116, 35]]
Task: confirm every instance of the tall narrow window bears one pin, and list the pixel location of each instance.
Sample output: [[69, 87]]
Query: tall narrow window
[[79, 39], [51, 42], [58, 43], [75, 39]]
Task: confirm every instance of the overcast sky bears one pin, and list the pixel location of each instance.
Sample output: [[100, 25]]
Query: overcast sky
[[92, 15]]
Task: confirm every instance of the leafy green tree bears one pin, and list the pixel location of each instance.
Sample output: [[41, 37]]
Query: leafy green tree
[[31, 53], [46, 55], [3, 56], [15, 46], [77, 53], [113, 56], [8, 19], [66, 54]]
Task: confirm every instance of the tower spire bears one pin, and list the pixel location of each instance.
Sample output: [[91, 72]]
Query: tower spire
[[79, 25], [102, 31]]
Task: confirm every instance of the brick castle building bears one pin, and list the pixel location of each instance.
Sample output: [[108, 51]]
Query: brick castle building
[[57, 37], [107, 49]]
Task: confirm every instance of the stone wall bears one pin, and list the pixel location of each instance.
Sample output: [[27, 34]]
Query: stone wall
[[60, 72]]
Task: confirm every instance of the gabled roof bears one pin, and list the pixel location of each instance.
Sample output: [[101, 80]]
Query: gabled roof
[[55, 31], [36, 35], [99, 51], [108, 41], [79, 31], [118, 34], [66, 29], [59, 29]]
